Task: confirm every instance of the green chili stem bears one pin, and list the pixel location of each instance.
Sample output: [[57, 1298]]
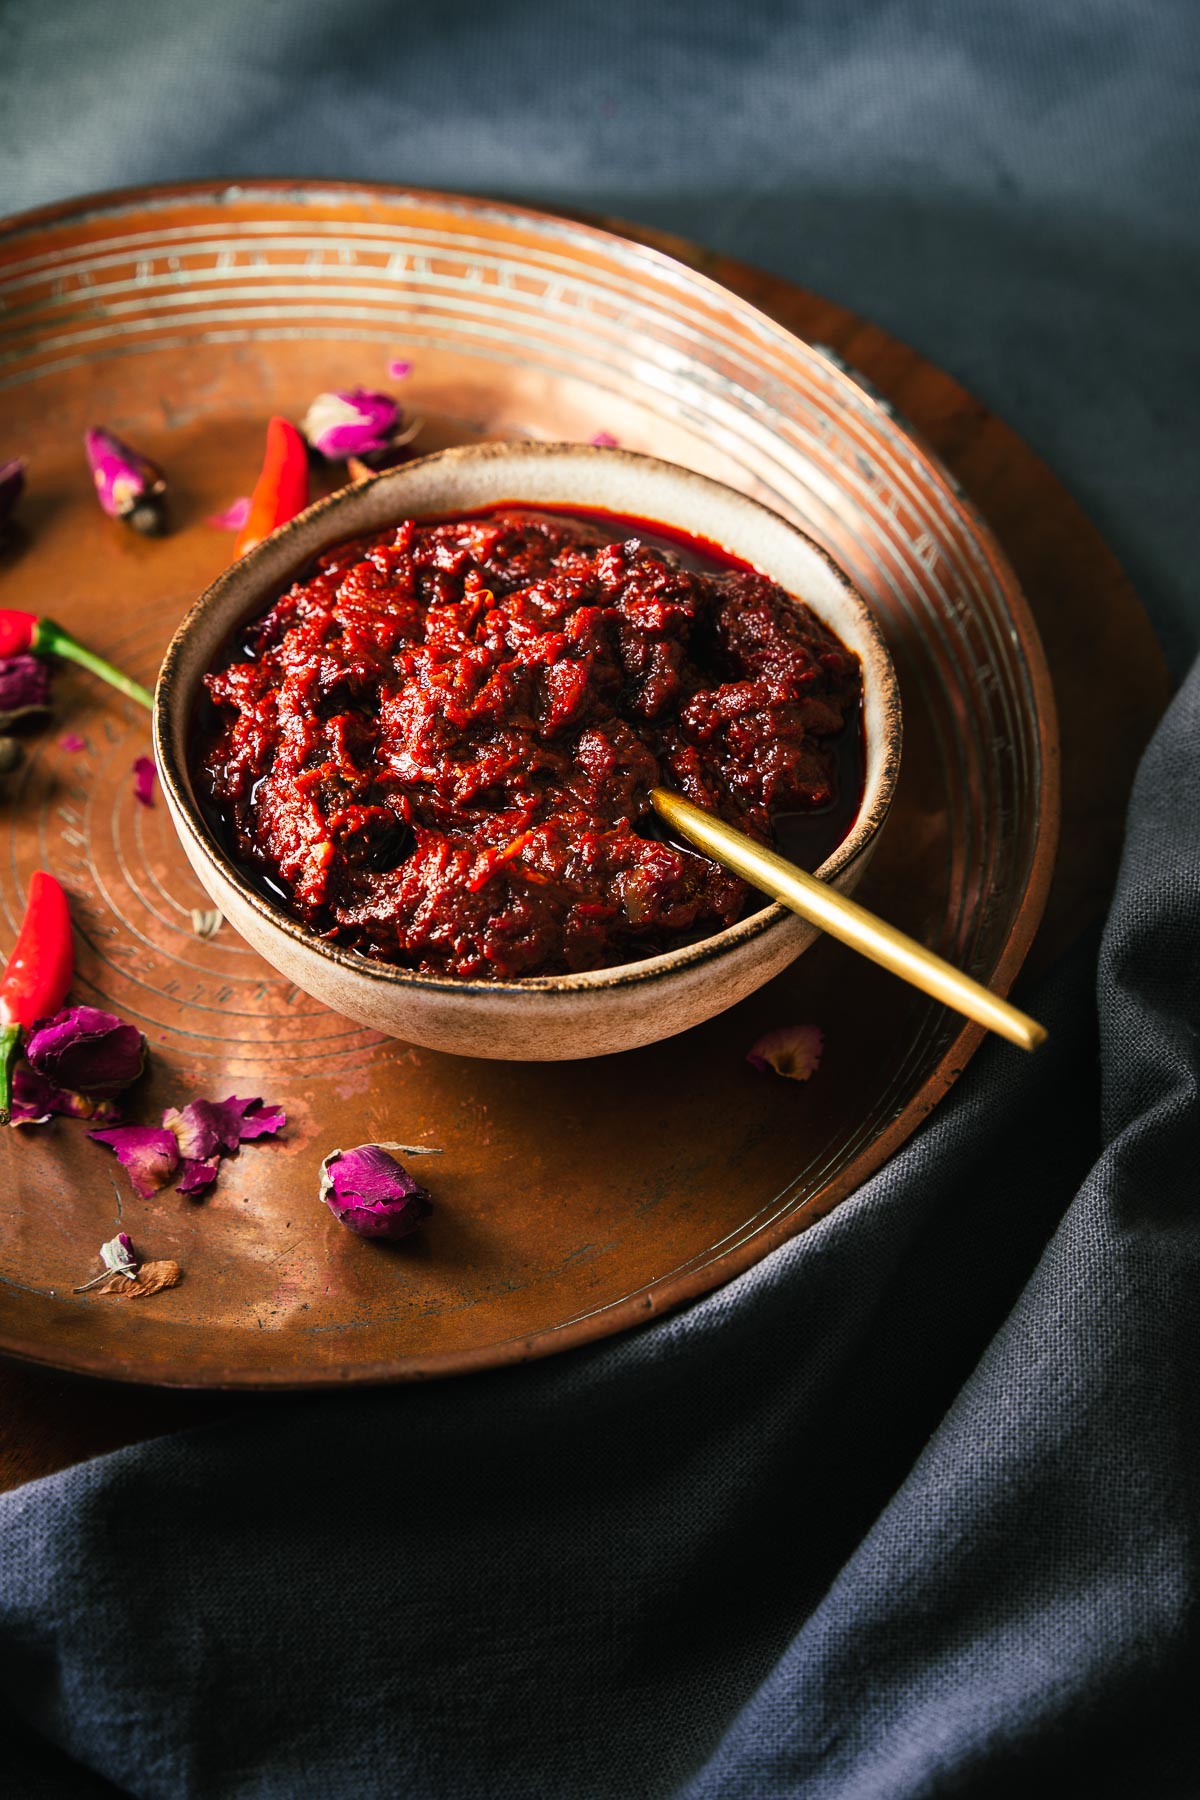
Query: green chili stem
[[10, 1037], [53, 638]]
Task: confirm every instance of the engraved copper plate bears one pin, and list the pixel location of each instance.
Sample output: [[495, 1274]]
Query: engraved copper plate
[[574, 1199]]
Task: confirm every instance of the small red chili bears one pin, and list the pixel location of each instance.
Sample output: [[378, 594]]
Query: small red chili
[[38, 974], [21, 631], [282, 488]]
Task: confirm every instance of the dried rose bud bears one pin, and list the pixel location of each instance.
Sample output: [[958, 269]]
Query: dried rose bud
[[12, 755], [372, 1193], [350, 424], [792, 1050], [12, 486], [24, 688], [128, 486], [118, 1257], [86, 1050], [150, 1154]]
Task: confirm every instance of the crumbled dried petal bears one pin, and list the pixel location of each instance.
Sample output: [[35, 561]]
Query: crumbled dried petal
[[198, 1174], [150, 1154], [351, 423], [151, 1278], [86, 1049], [604, 440], [12, 484], [399, 368], [207, 924], [206, 1128], [792, 1050], [234, 516], [128, 485], [368, 1190], [35, 1101], [143, 780], [24, 688], [72, 743], [119, 1260]]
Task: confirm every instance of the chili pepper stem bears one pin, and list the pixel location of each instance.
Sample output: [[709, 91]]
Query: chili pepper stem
[[51, 638], [10, 1037]]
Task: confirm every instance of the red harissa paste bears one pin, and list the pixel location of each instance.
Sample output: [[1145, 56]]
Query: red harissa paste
[[436, 746]]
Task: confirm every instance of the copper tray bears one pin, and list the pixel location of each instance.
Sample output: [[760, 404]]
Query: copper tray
[[575, 1199]]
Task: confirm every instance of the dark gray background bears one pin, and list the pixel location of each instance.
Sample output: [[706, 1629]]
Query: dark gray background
[[1009, 185]]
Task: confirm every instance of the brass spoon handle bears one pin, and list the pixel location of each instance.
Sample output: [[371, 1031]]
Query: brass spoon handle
[[845, 919]]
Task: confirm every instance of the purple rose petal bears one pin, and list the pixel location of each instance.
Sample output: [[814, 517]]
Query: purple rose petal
[[234, 516], [84, 1048], [35, 1101], [12, 486], [150, 1154], [143, 780], [352, 423], [24, 687], [604, 440], [372, 1193], [198, 1174], [793, 1051], [128, 486], [72, 743], [399, 369], [206, 1128]]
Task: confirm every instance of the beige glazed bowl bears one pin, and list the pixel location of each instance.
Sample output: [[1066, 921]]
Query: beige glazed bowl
[[545, 1018]]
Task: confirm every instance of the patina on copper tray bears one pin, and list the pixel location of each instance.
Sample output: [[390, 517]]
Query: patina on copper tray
[[575, 1199]]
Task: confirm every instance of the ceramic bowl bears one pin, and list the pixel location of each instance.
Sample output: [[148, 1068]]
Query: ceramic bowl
[[544, 1018]]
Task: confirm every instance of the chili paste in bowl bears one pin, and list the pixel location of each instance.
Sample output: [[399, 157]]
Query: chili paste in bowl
[[435, 748]]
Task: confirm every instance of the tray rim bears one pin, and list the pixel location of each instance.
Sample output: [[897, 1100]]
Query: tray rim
[[667, 1293]]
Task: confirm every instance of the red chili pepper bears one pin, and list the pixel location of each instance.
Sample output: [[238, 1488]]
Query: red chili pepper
[[281, 490], [21, 631], [16, 632], [38, 974]]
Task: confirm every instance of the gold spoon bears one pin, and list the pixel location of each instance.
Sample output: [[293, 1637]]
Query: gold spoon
[[845, 919]]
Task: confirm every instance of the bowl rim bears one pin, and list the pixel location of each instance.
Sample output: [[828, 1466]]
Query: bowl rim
[[767, 918]]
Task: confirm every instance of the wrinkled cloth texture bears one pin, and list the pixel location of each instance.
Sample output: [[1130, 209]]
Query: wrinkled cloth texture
[[910, 1509]]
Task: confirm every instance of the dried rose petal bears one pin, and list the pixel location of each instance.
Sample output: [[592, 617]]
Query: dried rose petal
[[128, 485], [372, 1193], [399, 369], [72, 743], [791, 1050], [150, 1154], [151, 1278], [84, 1048], [198, 1174], [35, 1100], [350, 423], [234, 516], [24, 688], [12, 486], [143, 780], [604, 440], [206, 1128]]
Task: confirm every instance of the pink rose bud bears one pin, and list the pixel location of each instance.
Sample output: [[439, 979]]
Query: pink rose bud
[[86, 1050], [128, 486], [372, 1193], [352, 423]]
